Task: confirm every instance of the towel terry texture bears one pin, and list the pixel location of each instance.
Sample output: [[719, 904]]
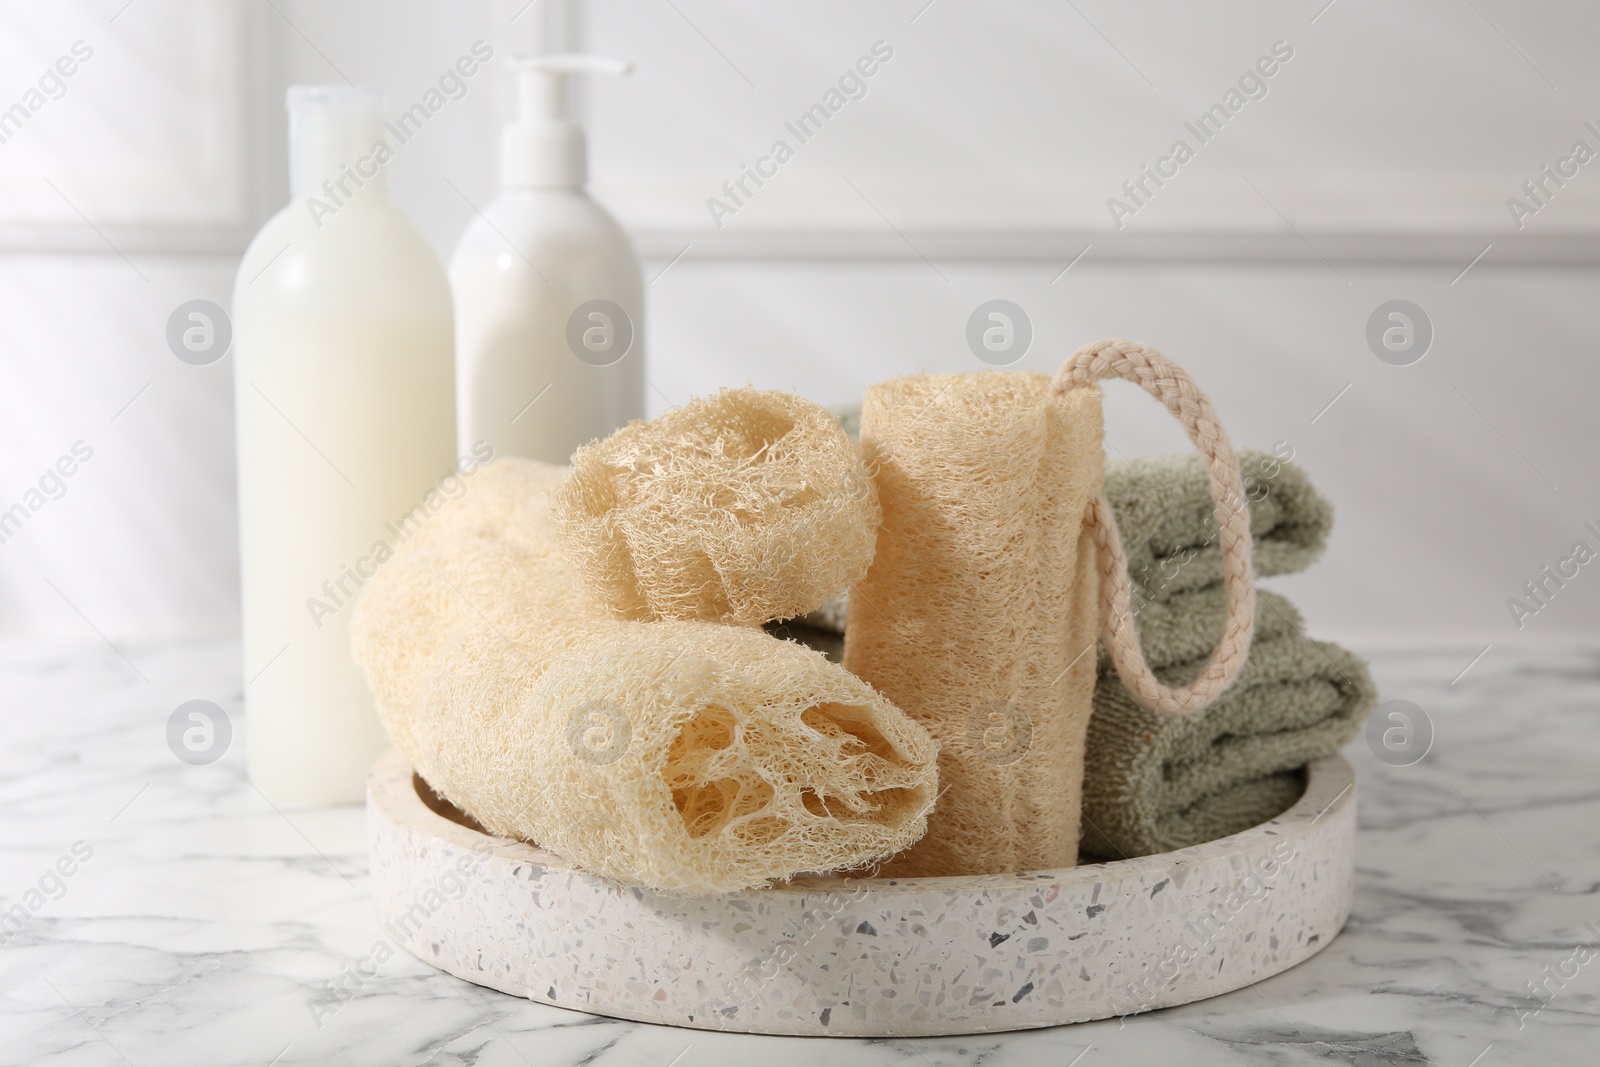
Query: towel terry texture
[[1164, 513], [1155, 783]]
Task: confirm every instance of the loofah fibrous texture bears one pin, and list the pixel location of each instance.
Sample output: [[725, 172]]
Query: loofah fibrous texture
[[685, 757], [980, 613], [743, 507]]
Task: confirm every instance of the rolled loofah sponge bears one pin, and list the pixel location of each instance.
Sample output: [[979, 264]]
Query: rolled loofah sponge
[[685, 757], [980, 613], [744, 507]]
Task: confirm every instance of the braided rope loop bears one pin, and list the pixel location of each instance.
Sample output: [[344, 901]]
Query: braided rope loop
[[1169, 383]]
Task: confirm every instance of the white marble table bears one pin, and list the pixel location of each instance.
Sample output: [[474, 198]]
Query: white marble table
[[208, 927]]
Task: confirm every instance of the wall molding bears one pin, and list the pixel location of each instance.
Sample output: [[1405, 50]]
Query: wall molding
[[178, 240], [1456, 250], [1448, 251]]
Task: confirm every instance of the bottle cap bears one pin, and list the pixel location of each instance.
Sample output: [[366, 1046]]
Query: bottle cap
[[331, 127], [542, 147]]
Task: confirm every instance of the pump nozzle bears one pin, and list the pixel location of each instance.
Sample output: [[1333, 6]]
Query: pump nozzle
[[541, 147]]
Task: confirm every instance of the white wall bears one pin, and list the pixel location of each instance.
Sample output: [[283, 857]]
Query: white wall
[[988, 145]]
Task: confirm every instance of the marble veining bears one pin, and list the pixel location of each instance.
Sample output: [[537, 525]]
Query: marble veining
[[209, 927]]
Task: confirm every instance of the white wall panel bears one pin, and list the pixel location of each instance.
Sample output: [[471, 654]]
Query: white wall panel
[[1030, 114], [114, 120]]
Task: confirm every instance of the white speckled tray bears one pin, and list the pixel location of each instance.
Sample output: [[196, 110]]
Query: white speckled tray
[[866, 957]]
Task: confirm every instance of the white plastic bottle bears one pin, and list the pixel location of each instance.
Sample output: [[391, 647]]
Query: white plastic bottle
[[549, 294], [344, 395]]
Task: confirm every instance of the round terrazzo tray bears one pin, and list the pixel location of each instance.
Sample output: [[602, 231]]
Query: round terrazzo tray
[[865, 957]]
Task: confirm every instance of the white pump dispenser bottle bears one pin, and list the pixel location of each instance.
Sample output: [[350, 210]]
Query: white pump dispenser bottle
[[549, 296], [346, 420]]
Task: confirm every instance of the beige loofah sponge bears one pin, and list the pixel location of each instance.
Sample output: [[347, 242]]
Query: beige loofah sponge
[[686, 757], [980, 614], [744, 507]]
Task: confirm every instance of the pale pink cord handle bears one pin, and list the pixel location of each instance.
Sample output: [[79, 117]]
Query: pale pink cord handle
[[1169, 383]]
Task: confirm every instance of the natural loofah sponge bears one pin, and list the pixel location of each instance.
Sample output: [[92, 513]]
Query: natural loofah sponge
[[980, 614], [685, 757], [742, 508]]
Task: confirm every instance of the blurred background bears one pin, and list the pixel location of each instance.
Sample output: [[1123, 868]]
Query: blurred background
[[1383, 159]]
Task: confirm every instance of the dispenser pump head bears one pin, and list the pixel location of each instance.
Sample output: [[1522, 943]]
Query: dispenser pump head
[[541, 147]]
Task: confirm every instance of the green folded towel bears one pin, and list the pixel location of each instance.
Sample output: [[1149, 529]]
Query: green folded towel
[[1187, 626], [1154, 782], [1239, 807], [1164, 512]]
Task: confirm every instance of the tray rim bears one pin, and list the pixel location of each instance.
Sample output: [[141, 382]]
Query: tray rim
[[1329, 788], [398, 812]]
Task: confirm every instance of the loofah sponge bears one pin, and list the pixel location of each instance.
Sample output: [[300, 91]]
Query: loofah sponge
[[744, 507], [686, 757], [980, 615]]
